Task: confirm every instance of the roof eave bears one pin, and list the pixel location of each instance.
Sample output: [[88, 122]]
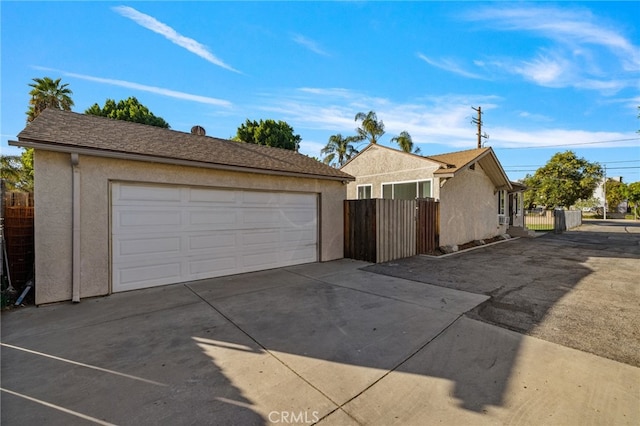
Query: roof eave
[[164, 160]]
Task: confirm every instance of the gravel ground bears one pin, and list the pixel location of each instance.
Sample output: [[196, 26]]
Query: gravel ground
[[580, 289]]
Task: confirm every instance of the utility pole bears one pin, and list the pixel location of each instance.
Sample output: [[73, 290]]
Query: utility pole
[[604, 191], [478, 121]]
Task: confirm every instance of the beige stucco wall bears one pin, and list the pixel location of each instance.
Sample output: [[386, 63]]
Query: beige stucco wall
[[468, 208], [380, 165], [53, 217]]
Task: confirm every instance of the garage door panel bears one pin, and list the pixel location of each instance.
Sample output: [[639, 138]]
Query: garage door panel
[[250, 198], [299, 218], [260, 217], [147, 246], [140, 276], [197, 195], [218, 218], [307, 236], [226, 240], [259, 260], [208, 267], [126, 218], [131, 194], [168, 236], [260, 238], [300, 253]]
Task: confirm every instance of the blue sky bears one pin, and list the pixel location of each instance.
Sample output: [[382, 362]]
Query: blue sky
[[548, 76]]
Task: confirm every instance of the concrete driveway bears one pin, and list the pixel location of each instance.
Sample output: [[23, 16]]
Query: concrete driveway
[[580, 288], [320, 343]]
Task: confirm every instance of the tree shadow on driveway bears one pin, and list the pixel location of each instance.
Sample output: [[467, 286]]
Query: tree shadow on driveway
[[352, 345]]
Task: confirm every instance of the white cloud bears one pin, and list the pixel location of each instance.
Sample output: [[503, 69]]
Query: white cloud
[[515, 138], [451, 66], [534, 117], [172, 35], [309, 44], [561, 24], [144, 88], [581, 51], [443, 120], [545, 71]]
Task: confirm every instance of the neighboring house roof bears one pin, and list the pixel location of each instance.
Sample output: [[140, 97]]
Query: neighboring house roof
[[462, 159], [65, 131], [453, 162], [518, 187]]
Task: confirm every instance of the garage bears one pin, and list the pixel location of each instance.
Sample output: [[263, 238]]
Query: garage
[[165, 234], [122, 206]]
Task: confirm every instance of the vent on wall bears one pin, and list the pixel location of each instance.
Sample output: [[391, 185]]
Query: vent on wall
[[198, 130]]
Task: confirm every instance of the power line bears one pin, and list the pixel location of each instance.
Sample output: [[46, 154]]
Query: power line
[[601, 162], [568, 144], [608, 168]]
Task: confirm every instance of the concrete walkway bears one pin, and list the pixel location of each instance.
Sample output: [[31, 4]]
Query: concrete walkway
[[320, 343]]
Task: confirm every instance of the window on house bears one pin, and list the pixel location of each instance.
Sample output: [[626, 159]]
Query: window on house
[[407, 190], [364, 192], [424, 189], [501, 202]]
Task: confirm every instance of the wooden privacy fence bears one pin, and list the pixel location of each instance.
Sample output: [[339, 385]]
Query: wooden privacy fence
[[380, 230], [18, 236]]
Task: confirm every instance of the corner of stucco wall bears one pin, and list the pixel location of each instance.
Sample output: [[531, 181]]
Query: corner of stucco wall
[[468, 208], [53, 226], [332, 226]]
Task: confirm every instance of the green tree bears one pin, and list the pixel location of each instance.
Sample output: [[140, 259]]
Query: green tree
[[338, 150], [405, 142], [370, 128], [591, 204], [615, 192], [562, 181], [632, 192], [48, 93], [129, 109], [277, 134], [13, 174]]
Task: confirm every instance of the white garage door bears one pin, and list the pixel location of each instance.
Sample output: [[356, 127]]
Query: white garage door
[[169, 234]]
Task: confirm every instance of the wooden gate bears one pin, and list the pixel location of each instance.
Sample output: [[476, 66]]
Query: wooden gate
[[428, 226], [380, 230]]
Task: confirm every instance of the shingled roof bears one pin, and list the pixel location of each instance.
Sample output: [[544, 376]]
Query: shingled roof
[[87, 134], [457, 160], [453, 162]]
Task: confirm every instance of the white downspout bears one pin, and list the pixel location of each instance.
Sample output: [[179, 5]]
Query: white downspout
[[75, 280]]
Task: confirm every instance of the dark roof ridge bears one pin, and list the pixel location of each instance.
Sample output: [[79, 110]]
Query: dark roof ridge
[[66, 130]]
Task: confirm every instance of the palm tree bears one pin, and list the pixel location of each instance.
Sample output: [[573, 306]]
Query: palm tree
[[338, 150], [48, 93], [406, 143], [370, 128]]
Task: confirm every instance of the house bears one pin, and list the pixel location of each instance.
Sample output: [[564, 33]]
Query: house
[[121, 206], [613, 212], [477, 200]]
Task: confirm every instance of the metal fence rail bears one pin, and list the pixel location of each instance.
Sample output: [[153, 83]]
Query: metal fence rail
[[552, 220], [539, 220]]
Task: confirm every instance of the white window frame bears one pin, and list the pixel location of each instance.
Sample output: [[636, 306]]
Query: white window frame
[[416, 181], [502, 202], [369, 185]]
